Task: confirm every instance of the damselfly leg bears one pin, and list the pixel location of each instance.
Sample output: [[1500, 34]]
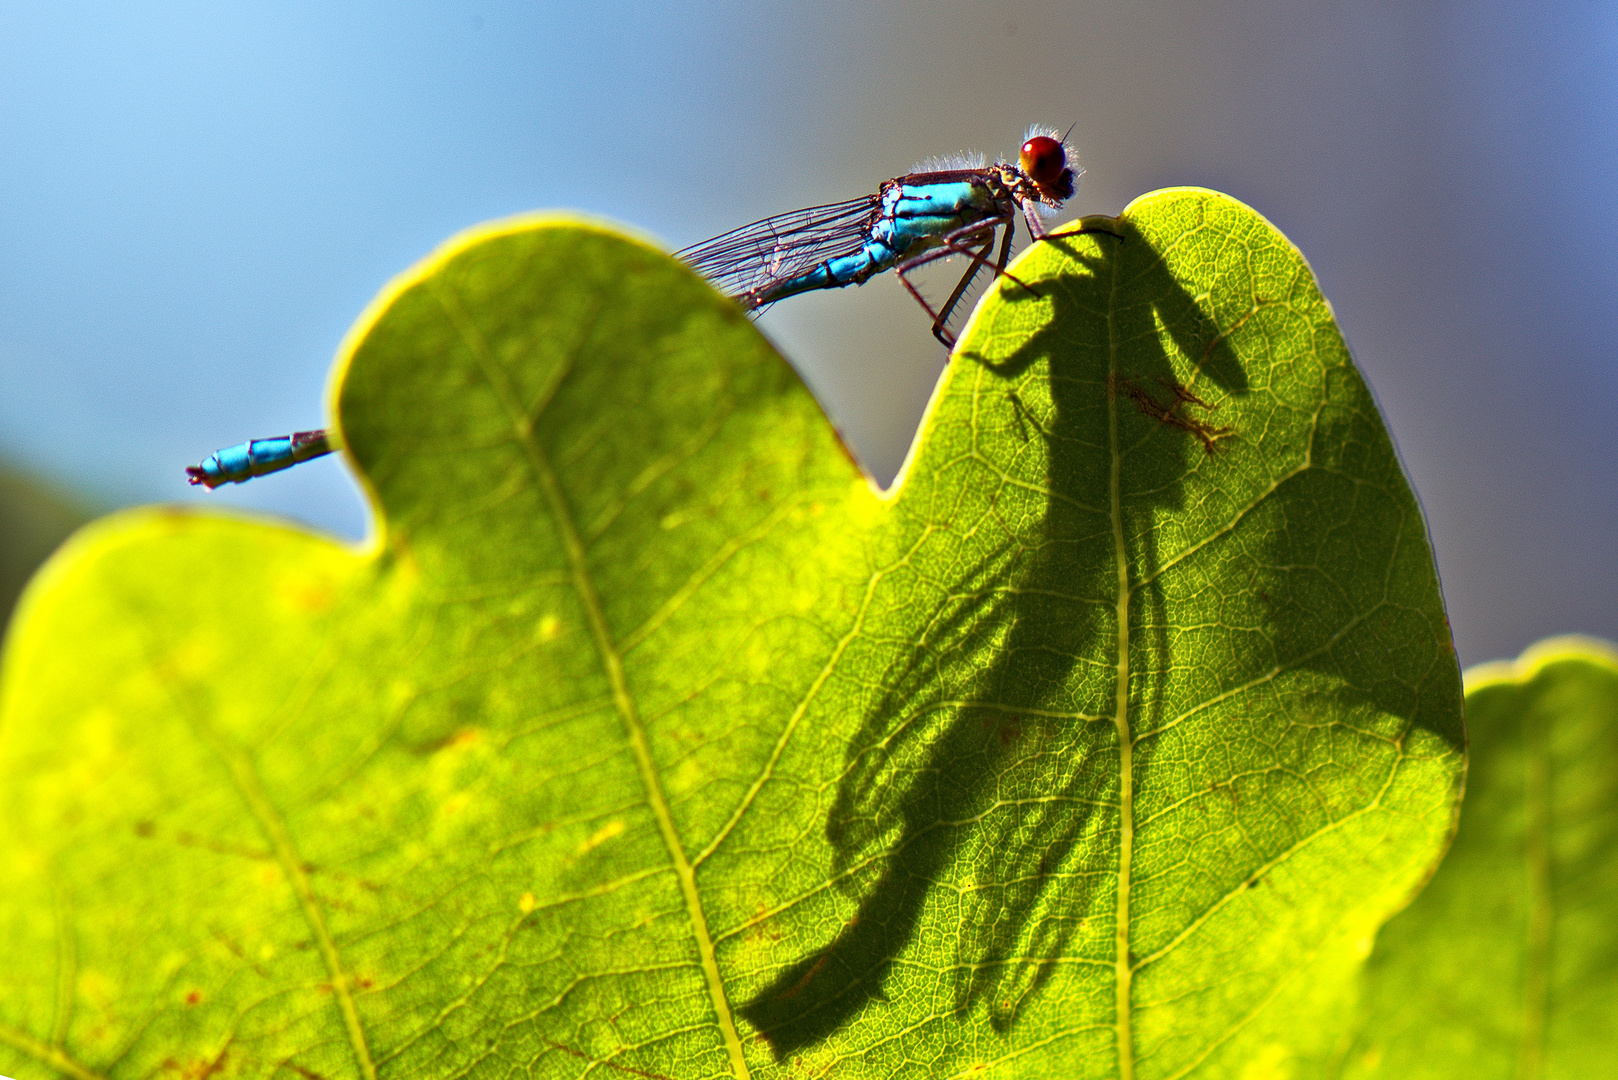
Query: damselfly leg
[[961, 242], [1043, 237], [976, 240], [939, 329]]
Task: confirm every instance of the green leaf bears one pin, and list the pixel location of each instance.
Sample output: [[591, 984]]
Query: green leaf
[[1507, 964], [647, 739]]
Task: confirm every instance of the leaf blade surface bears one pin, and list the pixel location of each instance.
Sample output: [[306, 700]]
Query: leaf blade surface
[[1505, 965], [648, 738]]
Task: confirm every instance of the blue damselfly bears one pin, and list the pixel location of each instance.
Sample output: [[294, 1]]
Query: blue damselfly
[[909, 222]]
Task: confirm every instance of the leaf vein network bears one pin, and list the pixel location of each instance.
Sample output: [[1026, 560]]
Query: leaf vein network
[[721, 556], [1281, 857], [802, 707], [1241, 1022], [250, 789], [572, 543], [46, 1054], [1266, 677]]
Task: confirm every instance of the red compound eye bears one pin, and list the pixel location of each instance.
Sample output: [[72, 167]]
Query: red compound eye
[[1044, 161]]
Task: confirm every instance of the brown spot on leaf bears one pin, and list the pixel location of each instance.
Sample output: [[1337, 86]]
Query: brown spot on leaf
[[1172, 413], [606, 1064]]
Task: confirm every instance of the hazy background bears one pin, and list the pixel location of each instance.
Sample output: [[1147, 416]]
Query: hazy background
[[196, 200]]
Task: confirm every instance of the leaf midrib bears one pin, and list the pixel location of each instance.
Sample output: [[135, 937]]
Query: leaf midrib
[[1126, 794], [525, 421]]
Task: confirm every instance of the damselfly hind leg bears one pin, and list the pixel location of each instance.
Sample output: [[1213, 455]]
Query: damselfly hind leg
[[941, 316], [967, 240], [966, 278]]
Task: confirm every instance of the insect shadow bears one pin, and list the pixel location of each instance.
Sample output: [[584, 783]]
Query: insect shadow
[[984, 778]]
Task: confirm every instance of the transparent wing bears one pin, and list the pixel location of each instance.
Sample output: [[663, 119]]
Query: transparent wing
[[745, 261]]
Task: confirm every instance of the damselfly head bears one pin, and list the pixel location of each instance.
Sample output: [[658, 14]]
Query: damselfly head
[[1044, 161]]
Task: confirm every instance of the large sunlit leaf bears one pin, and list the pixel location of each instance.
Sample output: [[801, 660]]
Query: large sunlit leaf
[[1506, 966], [648, 740]]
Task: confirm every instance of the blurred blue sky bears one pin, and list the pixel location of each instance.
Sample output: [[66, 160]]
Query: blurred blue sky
[[196, 200]]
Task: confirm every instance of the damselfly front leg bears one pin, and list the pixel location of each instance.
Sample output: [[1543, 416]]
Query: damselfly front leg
[[1039, 234]]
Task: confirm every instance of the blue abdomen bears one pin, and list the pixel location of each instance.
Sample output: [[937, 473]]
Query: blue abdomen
[[239, 464], [913, 217]]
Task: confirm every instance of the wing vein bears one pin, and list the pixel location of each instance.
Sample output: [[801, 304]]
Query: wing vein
[[746, 260]]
